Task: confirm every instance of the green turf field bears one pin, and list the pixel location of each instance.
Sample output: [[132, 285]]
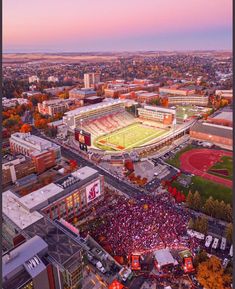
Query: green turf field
[[128, 137], [225, 163], [206, 189]]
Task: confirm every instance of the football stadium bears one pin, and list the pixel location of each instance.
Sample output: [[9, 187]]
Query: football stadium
[[112, 128]]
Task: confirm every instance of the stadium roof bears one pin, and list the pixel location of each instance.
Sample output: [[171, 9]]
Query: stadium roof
[[212, 129], [83, 109], [163, 257]]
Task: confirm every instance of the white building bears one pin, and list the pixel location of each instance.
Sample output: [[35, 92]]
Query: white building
[[34, 78], [90, 79], [52, 79]]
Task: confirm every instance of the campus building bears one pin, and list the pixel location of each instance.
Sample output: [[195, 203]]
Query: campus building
[[16, 167], [81, 93], [45, 154], [188, 99], [174, 90], [157, 114], [91, 79], [54, 106]]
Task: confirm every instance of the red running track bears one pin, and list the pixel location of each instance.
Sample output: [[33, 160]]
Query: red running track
[[198, 162]]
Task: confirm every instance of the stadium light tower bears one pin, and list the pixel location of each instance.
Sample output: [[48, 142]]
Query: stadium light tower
[[81, 124]]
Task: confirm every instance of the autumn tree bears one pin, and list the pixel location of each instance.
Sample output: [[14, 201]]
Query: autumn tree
[[200, 257], [189, 200], [201, 225], [197, 202], [191, 224], [209, 206], [211, 275], [228, 213], [26, 128], [229, 232]]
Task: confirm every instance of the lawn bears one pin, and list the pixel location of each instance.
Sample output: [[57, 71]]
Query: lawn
[[206, 189], [225, 164], [128, 137], [175, 161]]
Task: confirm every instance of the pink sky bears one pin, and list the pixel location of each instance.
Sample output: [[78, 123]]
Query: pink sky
[[76, 24]]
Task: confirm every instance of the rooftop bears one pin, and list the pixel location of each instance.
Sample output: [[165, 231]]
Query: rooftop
[[158, 108], [20, 255], [61, 248], [226, 115], [212, 129], [84, 109], [39, 198], [164, 257], [16, 212]]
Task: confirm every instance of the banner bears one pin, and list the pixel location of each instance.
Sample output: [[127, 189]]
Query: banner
[[93, 191]]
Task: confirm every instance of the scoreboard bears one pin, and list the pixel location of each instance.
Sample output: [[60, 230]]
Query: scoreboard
[[83, 137]]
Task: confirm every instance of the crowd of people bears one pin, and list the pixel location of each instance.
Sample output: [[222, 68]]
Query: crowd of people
[[128, 226]]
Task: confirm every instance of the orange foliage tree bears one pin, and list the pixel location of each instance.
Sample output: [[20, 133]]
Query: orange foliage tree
[[26, 128]]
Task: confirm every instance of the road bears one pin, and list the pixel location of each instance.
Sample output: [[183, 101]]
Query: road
[[110, 179]]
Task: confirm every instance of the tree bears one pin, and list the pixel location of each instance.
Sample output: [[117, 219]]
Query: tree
[[209, 206], [26, 128], [201, 225], [228, 213], [200, 257], [197, 202], [189, 199], [191, 223], [211, 275], [229, 232]]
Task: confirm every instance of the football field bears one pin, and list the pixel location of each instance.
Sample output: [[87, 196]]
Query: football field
[[128, 137]]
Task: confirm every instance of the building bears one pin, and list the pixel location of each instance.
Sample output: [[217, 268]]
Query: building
[[223, 117], [93, 100], [31, 93], [157, 114], [34, 78], [12, 102], [146, 97], [188, 99], [91, 79], [163, 258], [175, 90], [115, 92], [55, 106], [227, 94], [44, 153], [81, 93], [52, 79], [56, 90], [74, 117], [213, 133], [16, 167]]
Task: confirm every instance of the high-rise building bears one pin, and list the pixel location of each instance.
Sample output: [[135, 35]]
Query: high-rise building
[[90, 79]]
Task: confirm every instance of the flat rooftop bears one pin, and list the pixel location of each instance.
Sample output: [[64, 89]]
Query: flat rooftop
[[226, 115], [20, 255], [84, 109], [164, 257], [39, 198], [84, 173], [16, 212]]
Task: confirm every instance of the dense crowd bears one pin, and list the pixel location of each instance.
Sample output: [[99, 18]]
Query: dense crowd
[[129, 226]]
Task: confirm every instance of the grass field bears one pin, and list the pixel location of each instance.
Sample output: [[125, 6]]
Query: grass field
[[128, 137], [188, 110], [206, 189], [226, 163]]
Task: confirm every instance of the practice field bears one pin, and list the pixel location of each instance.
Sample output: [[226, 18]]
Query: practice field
[[128, 137], [203, 162]]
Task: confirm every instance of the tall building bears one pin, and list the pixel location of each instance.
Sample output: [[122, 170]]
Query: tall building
[[90, 79]]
